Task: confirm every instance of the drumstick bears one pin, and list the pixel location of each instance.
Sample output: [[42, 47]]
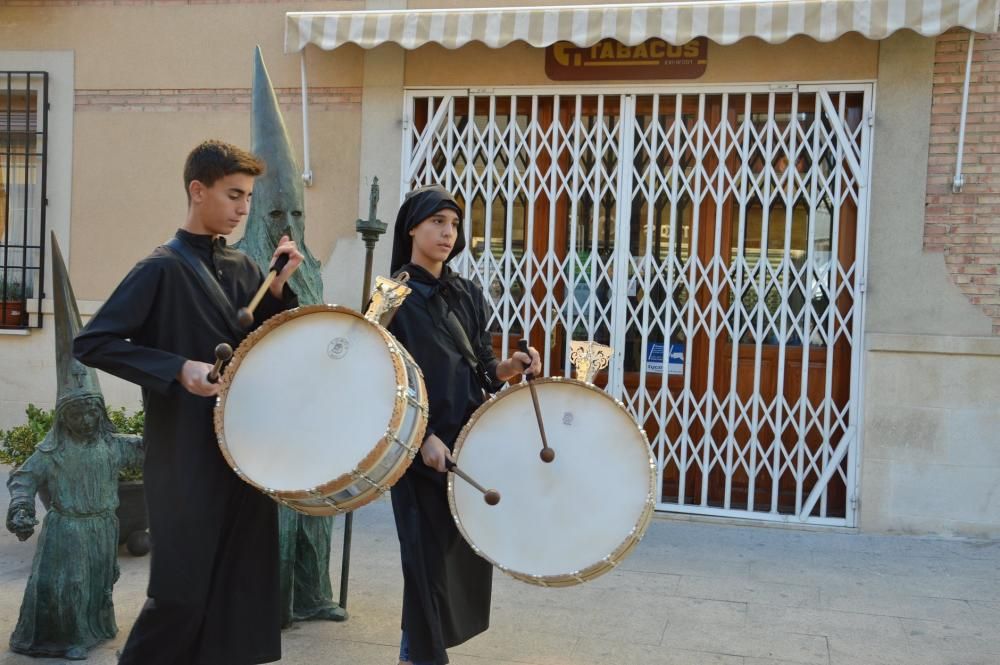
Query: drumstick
[[491, 497], [547, 454], [245, 315], [223, 352]]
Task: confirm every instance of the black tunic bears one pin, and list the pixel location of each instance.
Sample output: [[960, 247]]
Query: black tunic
[[446, 586], [213, 584]]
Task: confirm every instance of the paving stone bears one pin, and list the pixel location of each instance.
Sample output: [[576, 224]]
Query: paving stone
[[773, 593], [606, 652], [950, 637], [694, 592], [774, 642]]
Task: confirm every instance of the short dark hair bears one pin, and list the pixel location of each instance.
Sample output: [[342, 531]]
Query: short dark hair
[[212, 160]]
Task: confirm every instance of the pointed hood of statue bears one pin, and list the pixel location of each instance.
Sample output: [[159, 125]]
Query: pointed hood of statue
[[278, 203], [75, 380]]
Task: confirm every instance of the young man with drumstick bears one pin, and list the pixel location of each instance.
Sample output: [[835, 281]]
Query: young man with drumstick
[[213, 586], [443, 324]]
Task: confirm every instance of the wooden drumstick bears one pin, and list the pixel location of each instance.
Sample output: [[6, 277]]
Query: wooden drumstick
[[492, 497], [223, 352], [547, 454], [245, 315]]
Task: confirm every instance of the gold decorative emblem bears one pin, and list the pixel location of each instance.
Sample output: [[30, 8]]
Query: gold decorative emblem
[[387, 296], [589, 358]]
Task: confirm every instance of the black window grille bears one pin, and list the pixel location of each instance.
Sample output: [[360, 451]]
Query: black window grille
[[24, 103]]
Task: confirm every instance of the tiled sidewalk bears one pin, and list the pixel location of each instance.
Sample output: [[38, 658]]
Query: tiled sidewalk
[[693, 593]]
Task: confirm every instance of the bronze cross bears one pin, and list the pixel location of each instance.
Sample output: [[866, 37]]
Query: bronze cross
[[371, 228], [79, 373]]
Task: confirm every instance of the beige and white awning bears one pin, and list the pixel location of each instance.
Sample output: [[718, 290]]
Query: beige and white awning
[[722, 21]]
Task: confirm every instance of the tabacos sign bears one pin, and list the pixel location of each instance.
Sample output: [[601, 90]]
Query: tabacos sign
[[609, 59]]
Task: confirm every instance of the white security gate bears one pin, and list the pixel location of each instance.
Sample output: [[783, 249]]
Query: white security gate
[[714, 238]]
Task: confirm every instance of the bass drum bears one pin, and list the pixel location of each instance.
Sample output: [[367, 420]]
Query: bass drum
[[560, 523], [321, 409]]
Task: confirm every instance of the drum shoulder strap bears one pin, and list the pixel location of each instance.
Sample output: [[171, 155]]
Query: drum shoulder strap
[[460, 339], [208, 284]]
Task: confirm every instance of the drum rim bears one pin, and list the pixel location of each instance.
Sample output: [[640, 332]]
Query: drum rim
[[358, 474], [599, 567]]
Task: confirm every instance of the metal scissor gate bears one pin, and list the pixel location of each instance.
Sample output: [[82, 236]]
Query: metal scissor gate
[[714, 237]]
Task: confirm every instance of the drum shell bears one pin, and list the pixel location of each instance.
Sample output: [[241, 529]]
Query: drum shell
[[602, 564], [389, 456]]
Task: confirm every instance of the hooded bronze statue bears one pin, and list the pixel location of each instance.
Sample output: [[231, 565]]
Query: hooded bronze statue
[[278, 204], [67, 608], [278, 208]]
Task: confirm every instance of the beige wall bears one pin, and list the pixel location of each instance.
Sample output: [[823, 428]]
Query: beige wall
[[129, 195], [27, 362], [143, 84], [129, 148], [170, 45], [28, 368], [931, 448], [381, 156], [932, 435], [909, 290]]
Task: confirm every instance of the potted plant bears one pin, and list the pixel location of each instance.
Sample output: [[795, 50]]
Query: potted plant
[[13, 313], [18, 443], [133, 521]]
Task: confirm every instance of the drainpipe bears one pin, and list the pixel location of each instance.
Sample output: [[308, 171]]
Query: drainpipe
[[959, 181], [307, 174]]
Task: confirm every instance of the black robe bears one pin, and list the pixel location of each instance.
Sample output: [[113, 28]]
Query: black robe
[[213, 584], [446, 586]]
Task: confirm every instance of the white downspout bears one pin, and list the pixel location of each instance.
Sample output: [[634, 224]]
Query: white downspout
[[959, 181], [307, 174]]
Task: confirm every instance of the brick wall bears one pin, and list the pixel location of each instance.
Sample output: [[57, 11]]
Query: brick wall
[[965, 227]]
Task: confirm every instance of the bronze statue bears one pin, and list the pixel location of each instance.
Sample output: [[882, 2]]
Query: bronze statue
[[278, 204], [278, 208], [67, 607]]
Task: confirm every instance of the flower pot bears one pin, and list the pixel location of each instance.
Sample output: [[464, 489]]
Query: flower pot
[[13, 314]]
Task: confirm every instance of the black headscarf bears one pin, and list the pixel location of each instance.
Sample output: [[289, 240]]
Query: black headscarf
[[418, 205]]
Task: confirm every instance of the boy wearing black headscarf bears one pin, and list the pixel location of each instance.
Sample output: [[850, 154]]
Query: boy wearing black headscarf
[[447, 586]]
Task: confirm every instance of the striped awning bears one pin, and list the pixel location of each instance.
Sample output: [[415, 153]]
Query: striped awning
[[722, 21]]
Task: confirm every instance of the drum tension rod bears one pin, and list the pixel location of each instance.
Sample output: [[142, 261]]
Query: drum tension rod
[[492, 497], [547, 454]]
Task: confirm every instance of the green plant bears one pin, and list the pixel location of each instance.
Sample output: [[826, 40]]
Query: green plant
[[13, 290], [18, 443], [128, 425]]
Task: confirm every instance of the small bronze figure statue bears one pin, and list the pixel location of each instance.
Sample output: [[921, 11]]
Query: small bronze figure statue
[[67, 607]]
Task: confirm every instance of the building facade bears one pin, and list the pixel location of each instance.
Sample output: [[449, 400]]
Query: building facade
[[753, 204]]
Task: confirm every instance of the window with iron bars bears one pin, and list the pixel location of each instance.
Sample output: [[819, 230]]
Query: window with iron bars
[[23, 149]]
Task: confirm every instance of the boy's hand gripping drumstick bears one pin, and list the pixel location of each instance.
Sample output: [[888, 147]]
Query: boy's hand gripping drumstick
[[223, 352], [491, 497], [245, 315]]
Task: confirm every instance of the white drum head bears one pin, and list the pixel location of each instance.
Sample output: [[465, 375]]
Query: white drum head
[[309, 400], [563, 517]]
